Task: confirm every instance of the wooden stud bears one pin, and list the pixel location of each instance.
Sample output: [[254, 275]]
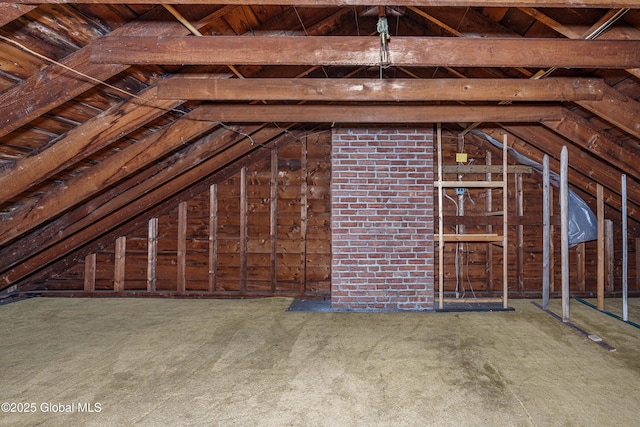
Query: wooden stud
[[152, 254], [564, 225], [601, 245], [489, 228], [552, 245], [119, 271], [546, 232], [609, 257], [273, 219], [505, 225], [182, 247], [440, 237], [625, 255], [244, 228], [304, 206], [519, 234], [90, 273], [213, 237], [580, 266]]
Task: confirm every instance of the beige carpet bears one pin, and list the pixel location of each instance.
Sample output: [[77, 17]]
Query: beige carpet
[[245, 363]]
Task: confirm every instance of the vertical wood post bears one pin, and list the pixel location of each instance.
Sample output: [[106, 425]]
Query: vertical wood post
[[505, 225], [600, 271], [119, 271], [460, 228], [304, 206], [489, 230], [580, 266], [546, 232], [564, 224], [152, 254], [519, 233], [244, 208], [90, 273], [609, 257], [213, 237], [440, 222], [273, 220], [637, 241], [625, 255], [552, 245], [182, 248]]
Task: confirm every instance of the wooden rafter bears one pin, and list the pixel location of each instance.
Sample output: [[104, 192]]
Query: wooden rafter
[[11, 11], [553, 89], [342, 50]]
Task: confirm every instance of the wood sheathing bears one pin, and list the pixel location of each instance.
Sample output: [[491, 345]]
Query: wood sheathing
[[111, 182]]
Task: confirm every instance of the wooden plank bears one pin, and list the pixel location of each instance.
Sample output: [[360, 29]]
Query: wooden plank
[[472, 300], [304, 207], [204, 87], [365, 51], [519, 233], [564, 233], [152, 254], [601, 245], [469, 184], [489, 228], [609, 255], [377, 114], [90, 273], [11, 11], [181, 255], [479, 237], [81, 141], [581, 267], [487, 169], [103, 175], [505, 224], [244, 224], [440, 236], [213, 236], [625, 248], [546, 233], [273, 219], [120, 259], [36, 95], [342, 3]]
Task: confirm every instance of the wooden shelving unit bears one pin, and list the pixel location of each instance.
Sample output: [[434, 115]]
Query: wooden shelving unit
[[443, 238]]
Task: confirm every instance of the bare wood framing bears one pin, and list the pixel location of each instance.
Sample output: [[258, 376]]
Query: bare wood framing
[[489, 228], [519, 233], [564, 225], [119, 266], [304, 209], [11, 11], [377, 114], [637, 248], [476, 237], [152, 254], [213, 236], [273, 219], [600, 243], [488, 169], [345, 50], [440, 236], [452, 3], [505, 225], [90, 273], [244, 226], [281, 89], [580, 266], [609, 255], [182, 248], [546, 232]]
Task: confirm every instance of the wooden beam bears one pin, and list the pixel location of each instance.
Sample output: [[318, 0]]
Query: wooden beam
[[489, 228], [152, 254], [505, 223], [342, 3], [90, 273], [36, 95], [625, 254], [181, 254], [546, 233], [82, 141], [564, 234], [119, 264], [582, 133], [97, 178], [273, 220], [478, 237], [600, 242], [244, 228], [519, 233], [11, 11], [618, 109], [348, 50], [213, 237], [488, 169], [377, 114], [273, 89], [609, 256], [468, 184]]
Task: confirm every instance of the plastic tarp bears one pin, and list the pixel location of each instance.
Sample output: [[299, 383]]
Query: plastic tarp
[[583, 225]]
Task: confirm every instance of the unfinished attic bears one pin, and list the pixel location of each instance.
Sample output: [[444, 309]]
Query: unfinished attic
[[246, 150], [184, 185]]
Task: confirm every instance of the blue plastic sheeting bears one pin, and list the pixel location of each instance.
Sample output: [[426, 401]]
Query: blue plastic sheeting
[[583, 225]]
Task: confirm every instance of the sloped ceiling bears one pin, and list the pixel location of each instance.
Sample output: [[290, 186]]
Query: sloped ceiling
[[96, 127]]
